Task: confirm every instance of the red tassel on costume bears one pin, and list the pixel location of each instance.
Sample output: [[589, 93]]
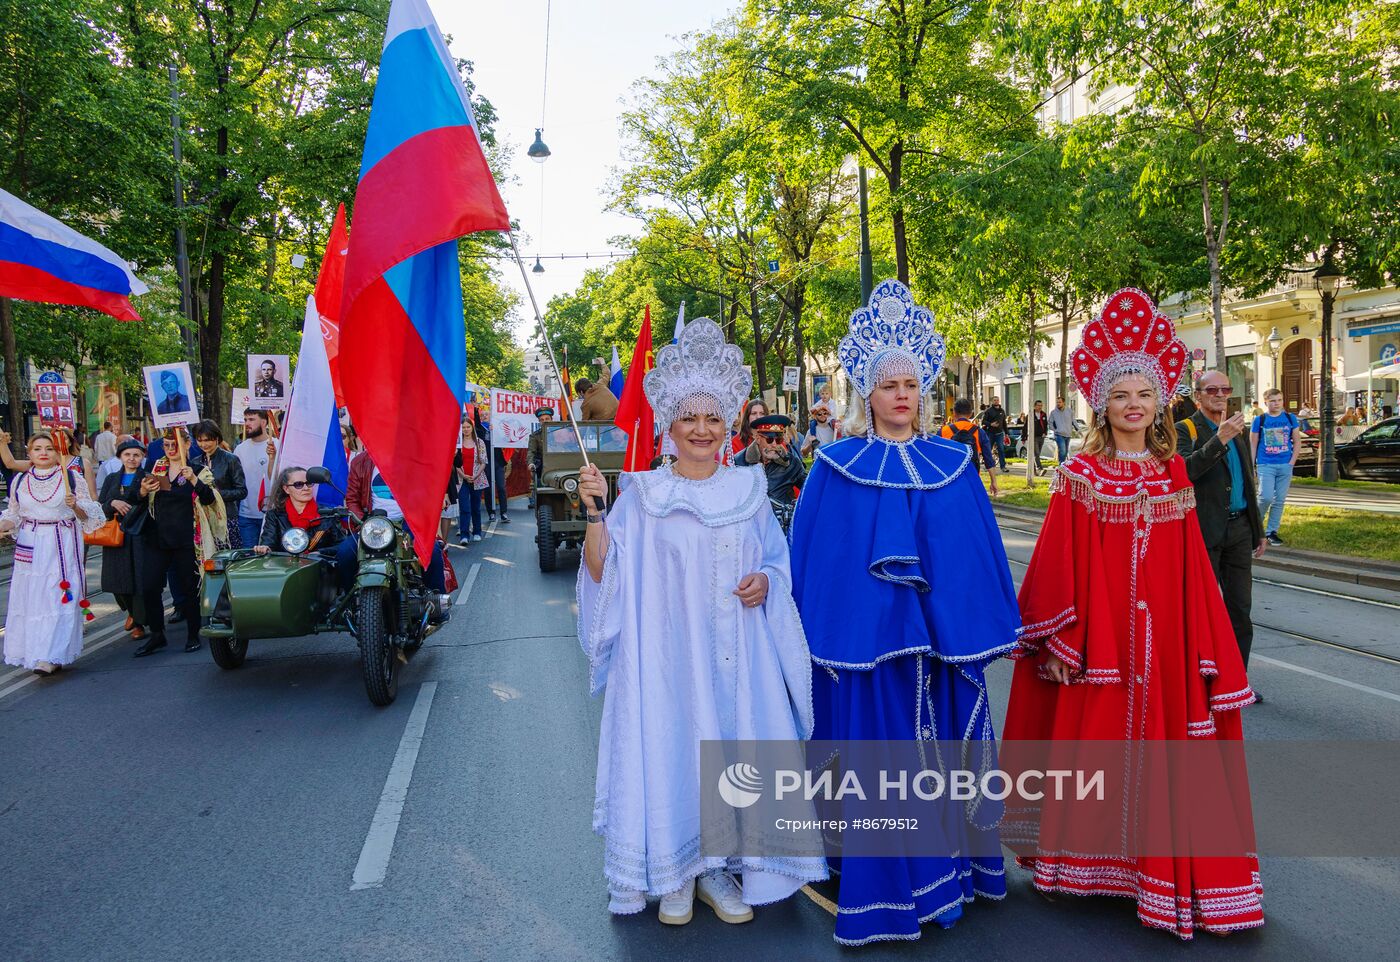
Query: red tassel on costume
[[64, 585], [85, 604], [67, 597], [89, 617]]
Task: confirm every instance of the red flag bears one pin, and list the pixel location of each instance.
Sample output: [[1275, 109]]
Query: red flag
[[634, 414], [328, 288]]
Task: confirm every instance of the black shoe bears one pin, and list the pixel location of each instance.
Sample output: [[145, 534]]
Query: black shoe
[[175, 618], [1273, 539], [154, 644], [1258, 698], [192, 645], [505, 518]]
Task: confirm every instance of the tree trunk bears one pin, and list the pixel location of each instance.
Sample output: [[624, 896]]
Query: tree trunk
[[799, 347], [14, 389], [1063, 389], [760, 369], [1215, 242], [901, 238], [1028, 392], [211, 339]]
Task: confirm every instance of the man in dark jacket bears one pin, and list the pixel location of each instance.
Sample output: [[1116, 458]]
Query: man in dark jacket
[[781, 460], [994, 423], [1218, 462]]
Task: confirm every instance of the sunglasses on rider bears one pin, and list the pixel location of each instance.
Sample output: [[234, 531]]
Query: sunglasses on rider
[[298, 484], [1217, 391]]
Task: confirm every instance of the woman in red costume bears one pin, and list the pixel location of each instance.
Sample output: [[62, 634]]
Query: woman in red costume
[[1127, 649]]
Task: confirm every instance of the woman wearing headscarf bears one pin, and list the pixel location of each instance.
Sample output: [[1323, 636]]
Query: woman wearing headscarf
[[119, 497], [685, 614], [48, 514], [904, 590], [1128, 644]]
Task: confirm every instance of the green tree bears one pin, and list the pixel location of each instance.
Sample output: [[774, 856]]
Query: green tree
[[1210, 84]]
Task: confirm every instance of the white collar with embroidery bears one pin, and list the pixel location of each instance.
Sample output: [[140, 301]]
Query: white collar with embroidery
[[725, 497], [921, 463]]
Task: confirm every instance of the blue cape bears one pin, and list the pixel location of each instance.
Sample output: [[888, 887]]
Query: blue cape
[[895, 551]]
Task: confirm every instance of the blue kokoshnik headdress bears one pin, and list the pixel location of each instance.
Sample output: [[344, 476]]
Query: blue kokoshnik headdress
[[891, 336]]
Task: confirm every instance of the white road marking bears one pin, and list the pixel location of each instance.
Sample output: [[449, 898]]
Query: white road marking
[[1332, 678], [499, 561], [384, 827], [467, 585], [89, 646]]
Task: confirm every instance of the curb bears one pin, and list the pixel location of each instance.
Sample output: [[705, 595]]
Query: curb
[[1367, 572]]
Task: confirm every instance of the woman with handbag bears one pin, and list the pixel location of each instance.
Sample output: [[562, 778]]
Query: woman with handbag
[[48, 513], [120, 494]]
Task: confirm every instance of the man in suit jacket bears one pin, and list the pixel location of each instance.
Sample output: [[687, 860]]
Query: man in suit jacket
[[1216, 450]]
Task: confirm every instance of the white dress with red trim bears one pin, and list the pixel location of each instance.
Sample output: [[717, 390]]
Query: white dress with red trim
[[48, 589], [1121, 589]]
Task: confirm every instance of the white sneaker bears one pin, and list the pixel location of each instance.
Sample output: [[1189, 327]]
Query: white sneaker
[[677, 907], [721, 893], [476, 538]]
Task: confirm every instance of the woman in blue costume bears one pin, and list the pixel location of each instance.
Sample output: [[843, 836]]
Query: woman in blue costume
[[903, 587]]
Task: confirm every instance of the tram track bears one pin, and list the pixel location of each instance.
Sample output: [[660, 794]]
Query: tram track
[[1288, 632]]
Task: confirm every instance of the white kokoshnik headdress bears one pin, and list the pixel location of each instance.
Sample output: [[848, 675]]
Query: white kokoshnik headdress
[[699, 374], [1129, 336], [891, 336]]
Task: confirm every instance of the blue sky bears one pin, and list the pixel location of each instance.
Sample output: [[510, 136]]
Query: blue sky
[[597, 49]]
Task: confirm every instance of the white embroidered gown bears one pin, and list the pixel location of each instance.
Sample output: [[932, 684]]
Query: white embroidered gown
[[39, 626], [684, 661]]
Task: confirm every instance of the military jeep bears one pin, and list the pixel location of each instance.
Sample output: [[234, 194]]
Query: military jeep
[[560, 519]]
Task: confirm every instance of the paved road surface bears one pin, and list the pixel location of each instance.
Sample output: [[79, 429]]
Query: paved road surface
[[161, 809]]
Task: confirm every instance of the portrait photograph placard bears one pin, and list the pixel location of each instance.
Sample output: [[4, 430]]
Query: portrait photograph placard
[[170, 393], [269, 380]]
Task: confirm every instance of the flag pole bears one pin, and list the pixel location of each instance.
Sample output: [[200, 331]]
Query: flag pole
[[548, 346]]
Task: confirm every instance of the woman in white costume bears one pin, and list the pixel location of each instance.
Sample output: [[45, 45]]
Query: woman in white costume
[[48, 597], [686, 615]]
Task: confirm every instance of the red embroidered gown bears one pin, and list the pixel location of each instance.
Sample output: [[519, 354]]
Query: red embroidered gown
[[1120, 587]]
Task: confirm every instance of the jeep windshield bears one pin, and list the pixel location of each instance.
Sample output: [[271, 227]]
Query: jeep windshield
[[596, 437]]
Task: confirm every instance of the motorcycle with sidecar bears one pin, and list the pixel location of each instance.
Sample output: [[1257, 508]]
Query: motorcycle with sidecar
[[291, 591]]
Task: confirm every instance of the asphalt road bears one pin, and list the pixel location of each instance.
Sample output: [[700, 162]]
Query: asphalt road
[[162, 809]]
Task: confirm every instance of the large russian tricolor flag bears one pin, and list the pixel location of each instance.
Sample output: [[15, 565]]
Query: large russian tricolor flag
[[424, 182], [42, 259], [311, 433]]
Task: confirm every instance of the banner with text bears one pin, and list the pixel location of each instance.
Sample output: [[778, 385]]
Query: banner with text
[[513, 416]]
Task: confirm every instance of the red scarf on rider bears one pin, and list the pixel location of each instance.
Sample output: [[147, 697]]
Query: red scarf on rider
[[308, 518]]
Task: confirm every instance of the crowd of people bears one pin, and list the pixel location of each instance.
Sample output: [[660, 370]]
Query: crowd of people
[[1120, 629]]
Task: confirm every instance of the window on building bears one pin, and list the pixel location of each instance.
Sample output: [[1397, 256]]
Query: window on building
[[1064, 104], [1013, 399]]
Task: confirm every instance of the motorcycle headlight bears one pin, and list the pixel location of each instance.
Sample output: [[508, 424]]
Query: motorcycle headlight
[[377, 533], [571, 485], [295, 540]]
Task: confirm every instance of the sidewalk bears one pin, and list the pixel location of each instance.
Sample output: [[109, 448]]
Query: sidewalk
[[1334, 567]]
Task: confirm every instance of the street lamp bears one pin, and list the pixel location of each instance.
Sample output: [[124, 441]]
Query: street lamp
[[538, 268], [1275, 341], [539, 151], [1327, 279]]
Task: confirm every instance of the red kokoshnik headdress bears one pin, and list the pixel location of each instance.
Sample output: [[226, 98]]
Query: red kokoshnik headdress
[[1130, 336]]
